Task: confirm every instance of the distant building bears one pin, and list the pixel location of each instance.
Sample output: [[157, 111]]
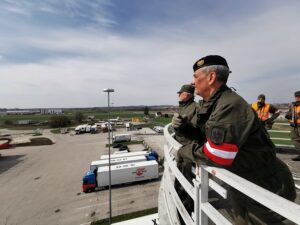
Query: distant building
[[51, 111], [21, 112]]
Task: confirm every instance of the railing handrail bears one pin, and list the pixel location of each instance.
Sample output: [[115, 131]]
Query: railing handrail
[[287, 209]]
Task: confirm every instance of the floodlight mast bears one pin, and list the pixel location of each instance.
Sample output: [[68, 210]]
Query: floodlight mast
[[109, 90]]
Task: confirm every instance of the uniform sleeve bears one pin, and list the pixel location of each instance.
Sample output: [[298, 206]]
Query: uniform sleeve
[[226, 131], [273, 109], [288, 115]]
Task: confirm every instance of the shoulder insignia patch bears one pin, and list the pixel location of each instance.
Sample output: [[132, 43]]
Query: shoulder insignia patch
[[217, 135]]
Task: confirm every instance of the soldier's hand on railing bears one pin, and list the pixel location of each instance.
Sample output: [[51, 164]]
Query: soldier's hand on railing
[[178, 121]]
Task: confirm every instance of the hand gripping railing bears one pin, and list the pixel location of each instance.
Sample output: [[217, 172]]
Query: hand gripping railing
[[170, 204]]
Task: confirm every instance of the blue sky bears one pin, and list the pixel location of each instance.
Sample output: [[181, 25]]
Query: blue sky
[[63, 53]]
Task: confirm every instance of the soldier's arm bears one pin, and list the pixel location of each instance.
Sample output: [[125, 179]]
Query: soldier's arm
[[226, 131], [275, 113]]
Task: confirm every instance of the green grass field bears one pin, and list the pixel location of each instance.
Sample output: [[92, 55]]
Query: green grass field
[[13, 119]]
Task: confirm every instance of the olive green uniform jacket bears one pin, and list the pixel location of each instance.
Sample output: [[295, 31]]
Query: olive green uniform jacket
[[188, 132], [235, 139]]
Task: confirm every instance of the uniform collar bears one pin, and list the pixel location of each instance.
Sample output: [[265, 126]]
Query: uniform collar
[[214, 97], [181, 103]]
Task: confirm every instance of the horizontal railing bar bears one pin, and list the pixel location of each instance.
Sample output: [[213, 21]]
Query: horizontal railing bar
[[214, 215], [180, 207], [259, 194], [182, 180], [218, 188], [169, 213]]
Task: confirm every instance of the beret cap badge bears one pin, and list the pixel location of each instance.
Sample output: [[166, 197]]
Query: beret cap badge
[[200, 62]]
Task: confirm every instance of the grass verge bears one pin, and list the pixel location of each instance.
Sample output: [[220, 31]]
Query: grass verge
[[126, 216]]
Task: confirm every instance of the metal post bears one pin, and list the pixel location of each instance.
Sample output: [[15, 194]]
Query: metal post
[[197, 202], [203, 195], [109, 165]]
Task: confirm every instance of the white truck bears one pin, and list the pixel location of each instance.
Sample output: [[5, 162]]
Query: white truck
[[127, 173], [94, 129], [128, 126], [116, 161], [121, 138], [80, 129]]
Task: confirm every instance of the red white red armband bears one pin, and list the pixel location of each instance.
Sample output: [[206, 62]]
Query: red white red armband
[[223, 154]]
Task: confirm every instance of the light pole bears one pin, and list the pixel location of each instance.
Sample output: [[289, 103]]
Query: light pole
[[108, 90], [112, 129]]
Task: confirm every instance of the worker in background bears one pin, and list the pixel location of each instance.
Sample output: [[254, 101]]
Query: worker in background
[[293, 115], [263, 111], [187, 111], [235, 140]]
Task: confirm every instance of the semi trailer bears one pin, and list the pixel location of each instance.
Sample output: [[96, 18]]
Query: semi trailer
[[120, 174], [115, 161], [130, 154]]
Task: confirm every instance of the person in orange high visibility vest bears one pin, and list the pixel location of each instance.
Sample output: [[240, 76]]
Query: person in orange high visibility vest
[[293, 115], [263, 111]]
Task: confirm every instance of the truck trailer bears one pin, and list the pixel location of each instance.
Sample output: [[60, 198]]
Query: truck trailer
[[116, 161], [120, 174], [126, 154]]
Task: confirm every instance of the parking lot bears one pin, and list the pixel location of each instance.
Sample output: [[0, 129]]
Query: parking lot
[[42, 185]]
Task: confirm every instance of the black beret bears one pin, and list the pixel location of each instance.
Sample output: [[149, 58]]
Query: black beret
[[187, 88], [210, 60], [262, 96], [297, 94]]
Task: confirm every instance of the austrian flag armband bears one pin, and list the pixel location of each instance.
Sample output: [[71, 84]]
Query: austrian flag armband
[[222, 154]]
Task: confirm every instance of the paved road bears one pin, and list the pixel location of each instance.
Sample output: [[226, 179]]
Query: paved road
[[42, 185]]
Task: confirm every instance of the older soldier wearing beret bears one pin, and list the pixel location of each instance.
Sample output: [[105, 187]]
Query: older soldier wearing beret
[[235, 139], [293, 115]]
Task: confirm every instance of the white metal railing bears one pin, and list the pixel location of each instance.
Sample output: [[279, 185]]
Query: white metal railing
[[170, 204]]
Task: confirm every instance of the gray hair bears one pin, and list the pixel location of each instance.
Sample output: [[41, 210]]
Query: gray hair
[[222, 72]]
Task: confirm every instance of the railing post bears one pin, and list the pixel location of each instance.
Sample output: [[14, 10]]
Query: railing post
[[197, 201], [203, 195]]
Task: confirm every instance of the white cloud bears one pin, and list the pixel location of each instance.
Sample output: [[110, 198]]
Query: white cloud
[[262, 52]]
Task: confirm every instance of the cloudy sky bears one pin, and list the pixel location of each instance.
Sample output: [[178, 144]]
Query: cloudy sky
[[62, 53]]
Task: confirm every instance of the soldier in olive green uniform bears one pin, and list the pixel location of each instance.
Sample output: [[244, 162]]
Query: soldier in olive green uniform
[[188, 109], [293, 115], [236, 140]]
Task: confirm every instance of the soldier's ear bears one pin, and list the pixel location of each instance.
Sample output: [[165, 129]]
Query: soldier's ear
[[212, 77]]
